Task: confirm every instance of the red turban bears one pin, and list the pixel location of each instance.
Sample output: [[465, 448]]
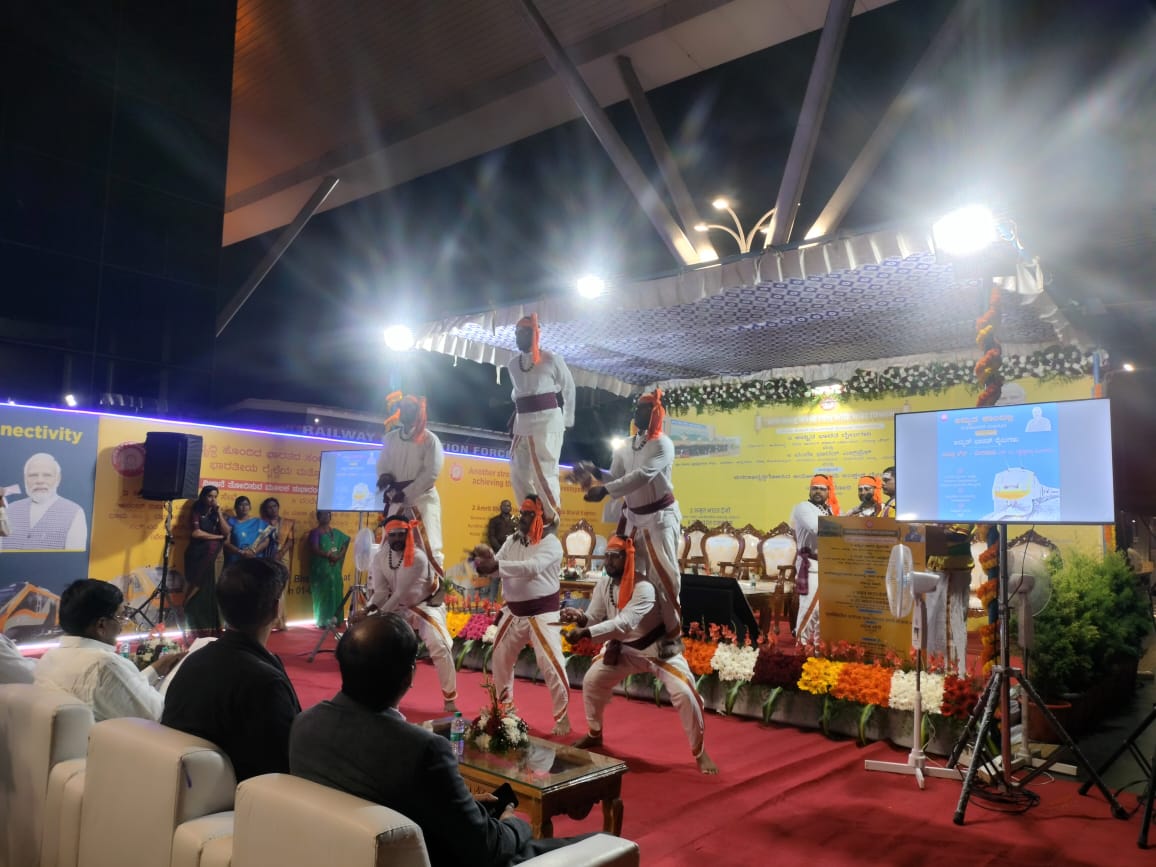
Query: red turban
[[822, 480], [535, 506], [657, 412], [874, 482], [409, 526]]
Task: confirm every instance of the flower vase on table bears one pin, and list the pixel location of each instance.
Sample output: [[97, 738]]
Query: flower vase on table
[[498, 728]]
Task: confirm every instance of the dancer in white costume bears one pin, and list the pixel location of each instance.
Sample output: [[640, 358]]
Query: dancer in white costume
[[529, 563], [624, 612], [539, 422], [410, 462], [402, 580], [821, 500], [640, 473]]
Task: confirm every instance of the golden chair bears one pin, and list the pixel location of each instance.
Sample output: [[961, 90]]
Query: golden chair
[[777, 554], [722, 548], [691, 554], [578, 546]]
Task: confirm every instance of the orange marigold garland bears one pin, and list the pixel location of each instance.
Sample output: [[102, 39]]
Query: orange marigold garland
[[987, 369]]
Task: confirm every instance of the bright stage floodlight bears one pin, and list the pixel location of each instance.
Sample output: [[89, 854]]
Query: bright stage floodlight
[[1128, 367], [590, 286], [617, 442], [399, 338], [70, 399], [964, 232]]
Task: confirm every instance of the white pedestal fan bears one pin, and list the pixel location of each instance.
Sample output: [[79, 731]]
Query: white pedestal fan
[[906, 590]]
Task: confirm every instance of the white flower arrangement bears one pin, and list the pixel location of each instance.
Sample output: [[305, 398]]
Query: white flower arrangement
[[903, 691], [497, 727], [490, 635], [733, 662]]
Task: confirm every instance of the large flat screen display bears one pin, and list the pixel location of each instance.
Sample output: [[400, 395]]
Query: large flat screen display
[[1042, 463], [348, 481]]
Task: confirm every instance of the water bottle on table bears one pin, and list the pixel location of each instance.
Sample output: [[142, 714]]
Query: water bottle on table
[[458, 735]]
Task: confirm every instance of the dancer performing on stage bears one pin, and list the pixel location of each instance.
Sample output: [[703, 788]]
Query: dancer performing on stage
[[402, 580], [411, 459], [529, 564], [624, 612], [539, 422], [640, 473]]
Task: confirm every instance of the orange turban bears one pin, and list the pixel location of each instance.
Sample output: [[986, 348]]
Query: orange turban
[[657, 412], [822, 480], [626, 588], [410, 526], [531, 322], [535, 506], [874, 482]]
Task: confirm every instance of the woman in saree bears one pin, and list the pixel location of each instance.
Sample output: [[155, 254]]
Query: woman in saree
[[246, 538], [208, 532], [280, 547], [328, 545]]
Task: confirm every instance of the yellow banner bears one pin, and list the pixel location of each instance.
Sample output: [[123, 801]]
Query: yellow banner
[[752, 466]]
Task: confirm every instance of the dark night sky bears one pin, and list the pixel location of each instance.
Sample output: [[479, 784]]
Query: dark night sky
[[1043, 110]]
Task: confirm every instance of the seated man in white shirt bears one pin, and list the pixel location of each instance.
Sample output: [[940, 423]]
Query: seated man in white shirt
[[15, 667], [86, 664]]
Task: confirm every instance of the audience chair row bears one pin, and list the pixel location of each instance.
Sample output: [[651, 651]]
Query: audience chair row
[[129, 792]]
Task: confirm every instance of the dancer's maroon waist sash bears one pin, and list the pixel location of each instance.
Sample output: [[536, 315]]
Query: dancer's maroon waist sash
[[536, 402], [657, 506], [531, 607]]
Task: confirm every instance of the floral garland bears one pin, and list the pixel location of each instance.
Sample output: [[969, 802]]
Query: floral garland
[[1055, 362], [987, 369], [863, 684]]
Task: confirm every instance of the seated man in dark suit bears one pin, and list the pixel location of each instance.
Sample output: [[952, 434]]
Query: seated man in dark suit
[[234, 692], [360, 743]]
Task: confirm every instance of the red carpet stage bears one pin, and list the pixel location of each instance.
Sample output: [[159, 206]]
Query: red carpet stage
[[783, 796]]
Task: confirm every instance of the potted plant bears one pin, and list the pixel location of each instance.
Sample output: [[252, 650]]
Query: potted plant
[[1090, 634]]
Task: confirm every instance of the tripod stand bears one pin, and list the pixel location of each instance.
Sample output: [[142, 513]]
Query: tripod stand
[[161, 591], [1148, 766], [999, 689], [357, 597]]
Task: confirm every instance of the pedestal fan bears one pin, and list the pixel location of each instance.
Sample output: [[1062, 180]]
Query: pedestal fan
[[906, 590]]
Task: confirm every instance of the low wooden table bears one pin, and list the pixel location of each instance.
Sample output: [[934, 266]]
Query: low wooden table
[[551, 780]]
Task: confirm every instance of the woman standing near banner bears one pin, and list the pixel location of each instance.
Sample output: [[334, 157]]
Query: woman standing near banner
[[248, 536], [207, 536], [280, 547], [328, 545]]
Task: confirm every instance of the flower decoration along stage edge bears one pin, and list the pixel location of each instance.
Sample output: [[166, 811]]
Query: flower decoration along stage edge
[[498, 728], [1055, 362]]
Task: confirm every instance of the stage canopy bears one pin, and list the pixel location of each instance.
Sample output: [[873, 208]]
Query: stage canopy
[[823, 310]]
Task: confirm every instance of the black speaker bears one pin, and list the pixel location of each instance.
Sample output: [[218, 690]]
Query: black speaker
[[172, 467]]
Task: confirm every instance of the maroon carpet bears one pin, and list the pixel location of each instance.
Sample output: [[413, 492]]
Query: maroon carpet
[[784, 795]]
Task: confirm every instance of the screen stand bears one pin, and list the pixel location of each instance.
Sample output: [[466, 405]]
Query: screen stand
[[998, 689]]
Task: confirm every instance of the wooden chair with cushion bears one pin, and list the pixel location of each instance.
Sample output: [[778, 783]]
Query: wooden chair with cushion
[[691, 554], [752, 539], [578, 546], [723, 549], [777, 554]]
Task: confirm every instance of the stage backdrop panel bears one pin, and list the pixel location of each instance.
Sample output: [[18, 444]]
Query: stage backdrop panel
[[754, 465]]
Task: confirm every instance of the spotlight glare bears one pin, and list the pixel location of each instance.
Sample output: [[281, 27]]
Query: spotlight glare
[[590, 286], [617, 442], [317, 421], [720, 204], [965, 231], [1128, 366], [399, 338], [70, 399], [700, 227]]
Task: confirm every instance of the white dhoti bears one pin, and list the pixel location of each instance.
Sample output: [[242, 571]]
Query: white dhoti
[[947, 619], [600, 680], [514, 633], [534, 468], [659, 535], [429, 622], [807, 625], [427, 508]]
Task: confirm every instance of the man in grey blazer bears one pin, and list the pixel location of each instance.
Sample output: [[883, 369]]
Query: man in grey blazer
[[359, 742]]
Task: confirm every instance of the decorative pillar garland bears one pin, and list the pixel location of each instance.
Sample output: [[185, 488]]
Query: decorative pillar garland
[[987, 369], [990, 381]]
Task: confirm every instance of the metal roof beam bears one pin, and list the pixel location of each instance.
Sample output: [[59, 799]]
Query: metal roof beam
[[810, 120], [901, 108], [671, 176], [636, 179]]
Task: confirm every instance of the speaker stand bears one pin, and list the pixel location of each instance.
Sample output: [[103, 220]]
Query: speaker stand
[[161, 591]]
